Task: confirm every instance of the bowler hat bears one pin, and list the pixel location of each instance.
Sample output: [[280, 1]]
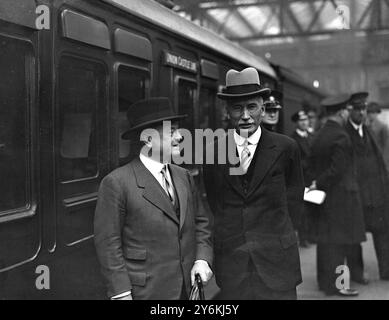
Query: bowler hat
[[299, 115], [241, 84], [149, 112]]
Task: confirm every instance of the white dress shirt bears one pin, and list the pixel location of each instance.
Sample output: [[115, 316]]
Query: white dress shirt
[[358, 127], [155, 168], [253, 141]]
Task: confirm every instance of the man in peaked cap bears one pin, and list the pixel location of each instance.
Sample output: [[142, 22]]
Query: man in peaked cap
[[373, 182], [340, 221], [272, 111], [256, 252], [152, 234], [303, 139]]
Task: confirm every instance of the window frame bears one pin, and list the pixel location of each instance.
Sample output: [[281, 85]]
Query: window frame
[[140, 69], [103, 105], [32, 173], [195, 114]]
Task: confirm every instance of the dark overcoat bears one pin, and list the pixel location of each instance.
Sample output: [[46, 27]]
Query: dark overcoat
[[255, 222], [372, 176], [332, 165], [141, 243]]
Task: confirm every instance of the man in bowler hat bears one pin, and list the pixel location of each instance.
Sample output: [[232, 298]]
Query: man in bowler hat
[[374, 187], [152, 234], [340, 221], [256, 252]]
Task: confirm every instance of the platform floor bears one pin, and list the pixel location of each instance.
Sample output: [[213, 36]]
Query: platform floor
[[376, 289]]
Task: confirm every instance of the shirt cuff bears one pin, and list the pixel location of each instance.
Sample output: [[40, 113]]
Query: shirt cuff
[[202, 262], [122, 295]]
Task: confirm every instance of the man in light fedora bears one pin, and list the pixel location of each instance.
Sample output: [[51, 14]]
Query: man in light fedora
[[256, 252], [152, 234]]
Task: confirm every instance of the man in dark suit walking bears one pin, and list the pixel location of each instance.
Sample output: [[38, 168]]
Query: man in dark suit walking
[[340, 222], [374, 186], [303, 139], [152, 234], [256, 253]]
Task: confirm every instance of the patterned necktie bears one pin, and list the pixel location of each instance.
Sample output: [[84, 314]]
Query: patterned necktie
[[245, 157], [167, 185]]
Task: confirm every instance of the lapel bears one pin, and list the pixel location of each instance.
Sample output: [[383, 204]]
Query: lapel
[[153, 191], [266, 154], [233, 180], [181, 191], [354, 133]]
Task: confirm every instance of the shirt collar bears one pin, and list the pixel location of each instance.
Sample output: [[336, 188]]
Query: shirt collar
[[153, 166], [253, 139], [356, 126], [302, 133]]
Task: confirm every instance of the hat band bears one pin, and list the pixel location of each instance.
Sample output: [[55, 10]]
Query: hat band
[[242, 89]]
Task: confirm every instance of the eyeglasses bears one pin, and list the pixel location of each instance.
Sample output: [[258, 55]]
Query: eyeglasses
[[238, 110]]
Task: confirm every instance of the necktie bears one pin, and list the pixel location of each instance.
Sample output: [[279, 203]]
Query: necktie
[[245, 157], [167, 185]]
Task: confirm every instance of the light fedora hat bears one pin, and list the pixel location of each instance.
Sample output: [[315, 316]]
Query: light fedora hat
[[243, 84]]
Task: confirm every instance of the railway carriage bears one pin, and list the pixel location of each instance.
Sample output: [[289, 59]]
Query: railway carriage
[[69, 69]]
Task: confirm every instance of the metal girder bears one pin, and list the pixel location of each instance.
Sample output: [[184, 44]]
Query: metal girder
[[290, 22]]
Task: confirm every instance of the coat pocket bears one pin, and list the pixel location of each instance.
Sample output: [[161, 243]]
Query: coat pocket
[[138, 278], [135, 254]]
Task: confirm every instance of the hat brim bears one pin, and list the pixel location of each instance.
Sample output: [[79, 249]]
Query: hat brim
[[127, 135], [277, 107], [227, 96]]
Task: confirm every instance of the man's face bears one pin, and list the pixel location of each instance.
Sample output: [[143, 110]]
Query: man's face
[[271, 116], [357, 114], [303, 124], [167, 143], [246, 114]]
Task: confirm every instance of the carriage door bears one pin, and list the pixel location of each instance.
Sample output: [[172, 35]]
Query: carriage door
[[82, 146]]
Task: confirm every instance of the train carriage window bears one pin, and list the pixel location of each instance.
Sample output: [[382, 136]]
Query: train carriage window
[[81, 87], [207, 107], [186, 102], [133, 85], [15, 144]]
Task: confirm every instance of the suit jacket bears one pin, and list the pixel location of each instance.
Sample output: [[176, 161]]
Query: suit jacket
[[372, 175], [140, 242], [304, 145], [255, 223], [333, 167]]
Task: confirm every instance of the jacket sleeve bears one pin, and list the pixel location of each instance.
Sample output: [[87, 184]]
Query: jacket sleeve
[[295, 185], [337, 165], [204, 226], [108, 225]]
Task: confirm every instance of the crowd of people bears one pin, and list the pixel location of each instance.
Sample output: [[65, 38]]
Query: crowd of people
[[345, 156], [153, 234]]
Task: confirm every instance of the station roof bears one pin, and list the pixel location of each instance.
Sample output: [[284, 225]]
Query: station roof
[[259, 21]]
